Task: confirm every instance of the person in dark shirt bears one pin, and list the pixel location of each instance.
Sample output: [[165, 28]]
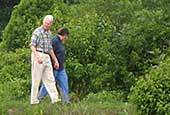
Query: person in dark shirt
[[60, 73]]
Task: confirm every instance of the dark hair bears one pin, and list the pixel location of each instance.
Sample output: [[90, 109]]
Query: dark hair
[[63, 31]]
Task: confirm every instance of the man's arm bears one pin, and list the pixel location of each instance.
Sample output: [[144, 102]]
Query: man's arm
[[56, 64]]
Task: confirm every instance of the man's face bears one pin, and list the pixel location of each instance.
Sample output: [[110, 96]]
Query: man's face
[[64, 37], [47, 24]]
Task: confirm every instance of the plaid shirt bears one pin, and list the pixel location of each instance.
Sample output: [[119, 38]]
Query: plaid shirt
[[41, 39]]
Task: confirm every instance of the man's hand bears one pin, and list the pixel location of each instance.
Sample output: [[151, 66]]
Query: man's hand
[[39, 60], [56, 65]]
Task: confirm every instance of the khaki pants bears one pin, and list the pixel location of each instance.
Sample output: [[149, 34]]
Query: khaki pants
[[42, 72]]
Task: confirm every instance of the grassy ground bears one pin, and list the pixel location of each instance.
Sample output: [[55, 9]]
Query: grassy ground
[[23, 107]]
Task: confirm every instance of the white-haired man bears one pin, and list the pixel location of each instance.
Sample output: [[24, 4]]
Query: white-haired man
[[40, 59]]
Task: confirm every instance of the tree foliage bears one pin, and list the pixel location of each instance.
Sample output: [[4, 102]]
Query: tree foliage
[[111, 42], [6, 7], [151, 93], [23, 20]]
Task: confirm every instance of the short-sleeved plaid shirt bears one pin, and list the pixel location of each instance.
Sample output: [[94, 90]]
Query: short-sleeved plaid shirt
[[41, 39]]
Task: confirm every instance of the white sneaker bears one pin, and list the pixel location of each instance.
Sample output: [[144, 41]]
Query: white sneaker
[[35, 102], [55, 101]]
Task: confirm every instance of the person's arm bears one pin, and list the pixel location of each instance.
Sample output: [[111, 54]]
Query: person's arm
[[33, 44], [56, 64]]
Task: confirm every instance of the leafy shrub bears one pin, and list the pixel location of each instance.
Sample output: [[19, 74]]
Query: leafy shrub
[[124, 42], [152, 93], [14, 65], [111, 44], [104, 97], [15, 90], [23, 20]]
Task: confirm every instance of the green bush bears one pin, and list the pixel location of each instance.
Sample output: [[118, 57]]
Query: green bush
[[15, 90], [152, 92], [104, 97], [15, 65], [23, 21], [111, 42]]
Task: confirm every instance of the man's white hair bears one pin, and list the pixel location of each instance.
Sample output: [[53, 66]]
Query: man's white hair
[[48, 17]]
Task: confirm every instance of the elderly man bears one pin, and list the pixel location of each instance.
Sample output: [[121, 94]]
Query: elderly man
[[41, 64]]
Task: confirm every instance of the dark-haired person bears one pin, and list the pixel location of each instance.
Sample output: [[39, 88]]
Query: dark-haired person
[[41, 67], [60, 73]]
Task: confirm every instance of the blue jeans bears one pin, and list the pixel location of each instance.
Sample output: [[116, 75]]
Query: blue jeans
[[62, 80]]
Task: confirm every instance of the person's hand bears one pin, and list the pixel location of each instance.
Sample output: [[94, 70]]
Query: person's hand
[[39, 60], [56, 65]]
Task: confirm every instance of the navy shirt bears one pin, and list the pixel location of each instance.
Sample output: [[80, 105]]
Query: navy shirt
[[59, 50]]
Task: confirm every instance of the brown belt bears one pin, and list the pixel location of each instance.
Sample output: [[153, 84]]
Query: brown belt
[[42, 52]]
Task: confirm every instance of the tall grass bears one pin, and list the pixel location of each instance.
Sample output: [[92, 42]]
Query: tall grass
[[87, 106], [46, 108]]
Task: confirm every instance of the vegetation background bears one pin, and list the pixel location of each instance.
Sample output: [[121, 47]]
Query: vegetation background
[[117, 55]]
